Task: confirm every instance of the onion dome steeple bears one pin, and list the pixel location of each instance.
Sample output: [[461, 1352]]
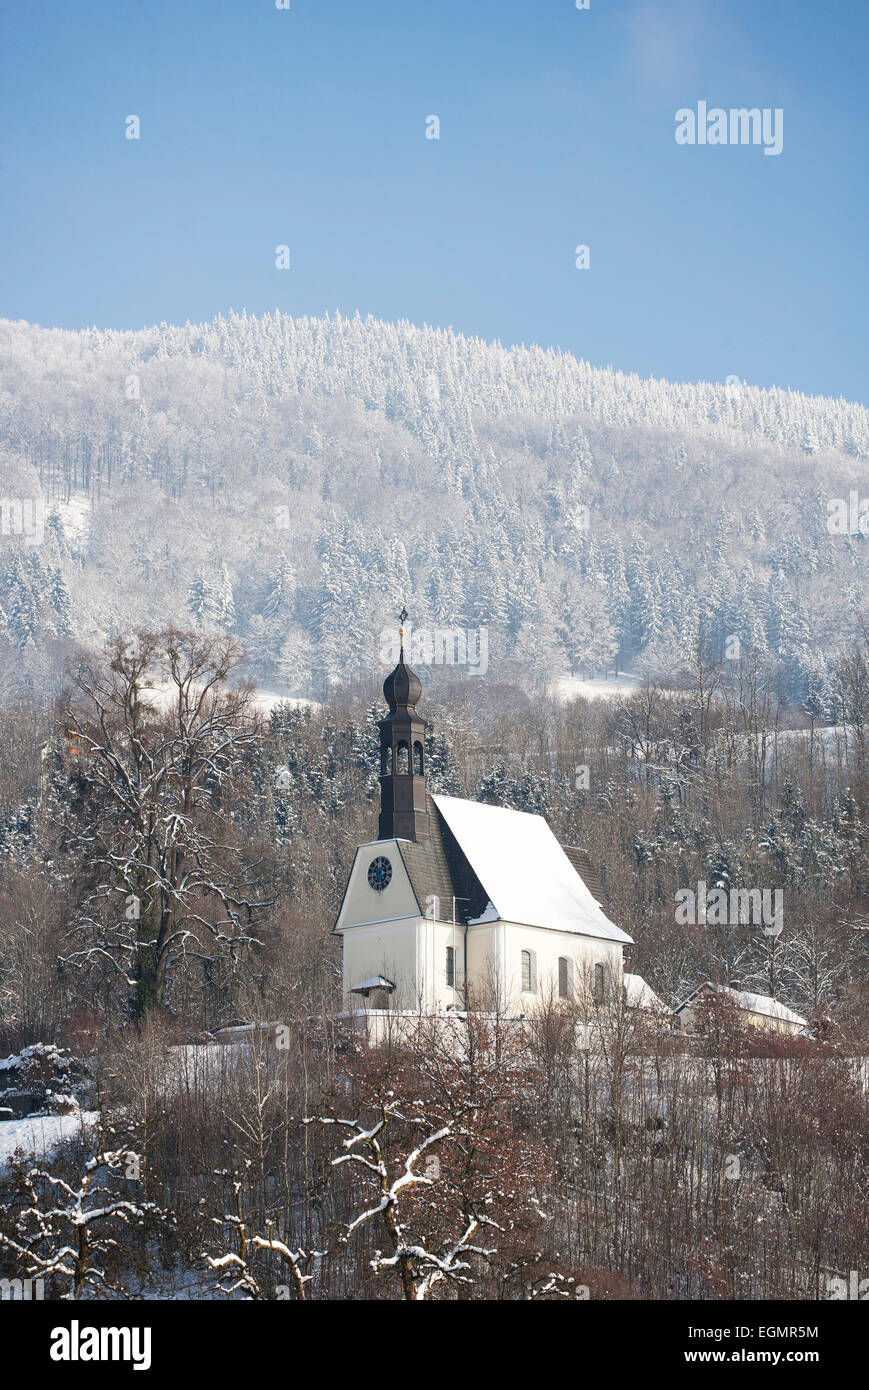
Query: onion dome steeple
[[403, 802], [402, 687]]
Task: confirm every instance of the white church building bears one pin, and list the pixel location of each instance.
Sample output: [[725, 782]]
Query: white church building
[[457, 901]]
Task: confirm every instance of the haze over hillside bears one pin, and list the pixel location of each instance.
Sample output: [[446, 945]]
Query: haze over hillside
[[297, 480]]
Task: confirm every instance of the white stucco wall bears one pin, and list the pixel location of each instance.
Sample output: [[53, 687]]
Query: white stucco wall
[[386, 949], [547, 947]]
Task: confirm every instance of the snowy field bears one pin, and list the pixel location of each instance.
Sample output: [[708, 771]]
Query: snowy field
[[266, 700], [38, 1136], [263, 701], [574, 687], [75, 516]]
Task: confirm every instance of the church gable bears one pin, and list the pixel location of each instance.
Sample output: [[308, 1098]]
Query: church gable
[[378, 889], [443, 885]]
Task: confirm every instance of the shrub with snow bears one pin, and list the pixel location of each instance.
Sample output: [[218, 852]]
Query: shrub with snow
[[43, 1078]]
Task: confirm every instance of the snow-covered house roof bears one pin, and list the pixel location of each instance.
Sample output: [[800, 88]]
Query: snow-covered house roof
[[752, 1003], [523, 870], [765, 1004], [375, 982], [639, 995]]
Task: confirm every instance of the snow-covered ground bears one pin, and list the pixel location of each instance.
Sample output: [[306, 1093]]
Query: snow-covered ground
[[574, 687], [75, 516], [264, 701], [831, 736], [38, 1136]]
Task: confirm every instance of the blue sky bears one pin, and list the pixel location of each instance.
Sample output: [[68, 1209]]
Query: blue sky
[[306, 127]]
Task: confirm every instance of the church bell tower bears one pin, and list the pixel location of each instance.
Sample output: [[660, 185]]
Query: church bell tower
[[403, 813]]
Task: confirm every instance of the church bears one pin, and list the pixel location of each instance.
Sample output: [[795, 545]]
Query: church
[[457, 901]]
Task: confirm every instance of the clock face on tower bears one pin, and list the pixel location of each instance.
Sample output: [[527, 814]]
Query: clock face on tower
[[379, 873]]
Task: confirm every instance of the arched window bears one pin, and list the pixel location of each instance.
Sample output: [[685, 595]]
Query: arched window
[[403, 765], [417, 758], [386, 759], [599, 983], [565, 977], [529, 972]]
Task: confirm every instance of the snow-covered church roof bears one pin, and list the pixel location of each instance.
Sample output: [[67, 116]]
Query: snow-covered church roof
[[524, 870], [640, 995]]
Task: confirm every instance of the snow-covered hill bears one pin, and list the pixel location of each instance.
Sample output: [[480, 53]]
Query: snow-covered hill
[[296, 480]]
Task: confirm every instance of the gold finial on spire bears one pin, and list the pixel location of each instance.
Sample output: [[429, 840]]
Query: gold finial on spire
[[402, 618]]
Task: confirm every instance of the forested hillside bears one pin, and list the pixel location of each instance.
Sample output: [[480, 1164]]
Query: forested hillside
[[172, 862], [293, 481]]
